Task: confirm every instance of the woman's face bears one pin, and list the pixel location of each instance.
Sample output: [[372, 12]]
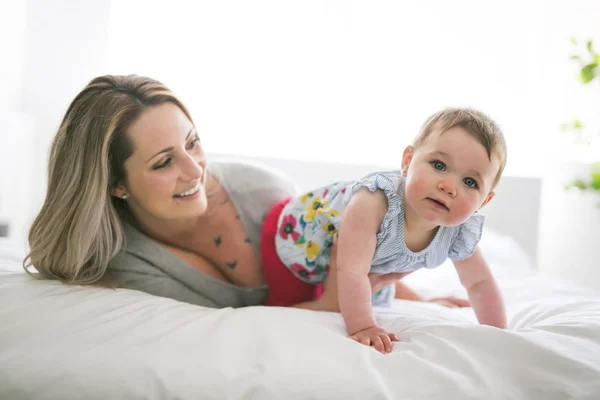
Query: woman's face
[[166, 173]]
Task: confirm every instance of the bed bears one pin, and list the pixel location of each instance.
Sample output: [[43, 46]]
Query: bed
[[69, 342]]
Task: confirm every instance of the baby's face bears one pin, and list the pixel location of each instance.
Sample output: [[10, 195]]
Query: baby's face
[[449, 177]]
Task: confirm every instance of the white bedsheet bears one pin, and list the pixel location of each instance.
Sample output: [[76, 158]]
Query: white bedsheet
[[60, 342]]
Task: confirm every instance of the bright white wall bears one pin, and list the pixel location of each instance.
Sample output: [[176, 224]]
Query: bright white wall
[[336, 79], [569, 227], [12, 39], [15, 126], [51, 49], [352, 81], [65, 49]]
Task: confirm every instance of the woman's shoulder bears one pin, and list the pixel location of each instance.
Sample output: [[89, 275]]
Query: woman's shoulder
[[245, 175], [139, 252]]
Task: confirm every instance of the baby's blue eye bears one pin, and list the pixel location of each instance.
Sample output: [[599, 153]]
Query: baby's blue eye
[[440, 166], [470, 182]]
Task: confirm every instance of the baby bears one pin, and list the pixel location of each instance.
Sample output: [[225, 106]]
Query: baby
[[389, 224]]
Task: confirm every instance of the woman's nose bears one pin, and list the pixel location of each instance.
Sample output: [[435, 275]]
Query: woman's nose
[[193, 168]]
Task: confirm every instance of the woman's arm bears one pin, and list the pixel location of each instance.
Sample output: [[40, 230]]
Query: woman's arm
[[483, 291], [131, 272]]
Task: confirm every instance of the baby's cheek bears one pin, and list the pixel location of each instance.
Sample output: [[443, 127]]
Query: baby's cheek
[[472, 207], [466, 209], [412, 198], [415, 189]]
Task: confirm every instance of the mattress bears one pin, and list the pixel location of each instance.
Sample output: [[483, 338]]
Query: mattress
[[73, 342]]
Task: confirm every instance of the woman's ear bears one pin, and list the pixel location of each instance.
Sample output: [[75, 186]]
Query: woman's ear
[[407, 158], [119, 191]]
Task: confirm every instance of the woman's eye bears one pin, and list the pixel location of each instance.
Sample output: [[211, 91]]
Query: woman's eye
[[470, 182], [440, 166], [164, 164], [194, 143]]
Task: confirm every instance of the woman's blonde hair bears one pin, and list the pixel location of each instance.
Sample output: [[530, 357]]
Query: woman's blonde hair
[[78, 230], [480, 126]]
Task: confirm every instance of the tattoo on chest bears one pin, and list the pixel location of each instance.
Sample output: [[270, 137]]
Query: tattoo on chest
[[232, 265], [217, 240]]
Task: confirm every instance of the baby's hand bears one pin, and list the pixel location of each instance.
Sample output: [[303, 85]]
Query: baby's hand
[[376, 337]]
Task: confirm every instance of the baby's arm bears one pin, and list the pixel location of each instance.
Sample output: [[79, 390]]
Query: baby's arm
[[356, 246], [484, 294]]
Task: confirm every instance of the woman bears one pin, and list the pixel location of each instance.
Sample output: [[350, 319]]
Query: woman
[[132, 202]]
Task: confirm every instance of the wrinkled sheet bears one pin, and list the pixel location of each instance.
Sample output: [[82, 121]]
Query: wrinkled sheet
[[61, 342]]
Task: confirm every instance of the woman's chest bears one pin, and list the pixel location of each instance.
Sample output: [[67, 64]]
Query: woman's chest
[[226, 244]]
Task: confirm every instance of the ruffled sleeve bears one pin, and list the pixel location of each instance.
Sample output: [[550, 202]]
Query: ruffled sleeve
[[469, 234], [389, 183]]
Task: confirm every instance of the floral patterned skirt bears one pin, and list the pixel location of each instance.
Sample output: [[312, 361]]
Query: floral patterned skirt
[[303, 236]]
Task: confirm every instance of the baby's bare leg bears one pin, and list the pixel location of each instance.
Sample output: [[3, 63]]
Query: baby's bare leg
[[329, 300], [405, 293]]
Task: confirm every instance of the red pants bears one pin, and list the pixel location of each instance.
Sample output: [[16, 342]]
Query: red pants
[[284, 288]]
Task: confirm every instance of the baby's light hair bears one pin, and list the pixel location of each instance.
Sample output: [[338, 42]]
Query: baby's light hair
[[480, 126]]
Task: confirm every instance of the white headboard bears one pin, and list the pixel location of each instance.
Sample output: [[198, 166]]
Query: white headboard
[[514, 211]]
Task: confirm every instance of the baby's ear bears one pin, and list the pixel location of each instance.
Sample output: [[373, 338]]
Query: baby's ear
[[407, 158], [489, 197]]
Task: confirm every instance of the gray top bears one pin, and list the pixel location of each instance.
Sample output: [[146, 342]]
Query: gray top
[[144, 265]]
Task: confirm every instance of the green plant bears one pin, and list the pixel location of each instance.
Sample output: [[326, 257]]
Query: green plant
[[593, 184], [588, 71], [588, 63]]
